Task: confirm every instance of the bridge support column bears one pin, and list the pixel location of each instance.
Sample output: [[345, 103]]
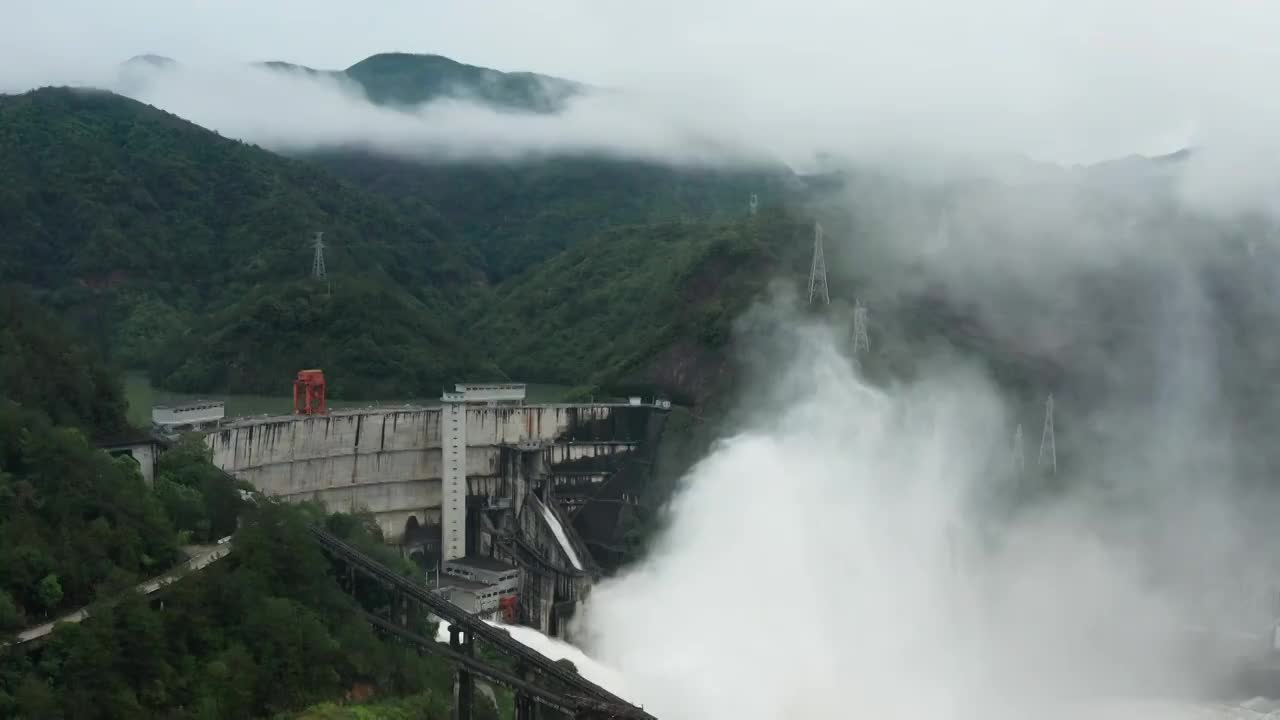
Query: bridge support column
[[526, 709], [398, 604], [464, 685], [411, 614]]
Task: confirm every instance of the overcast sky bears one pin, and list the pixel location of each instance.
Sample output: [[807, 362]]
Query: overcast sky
[[557, 37], [1071, 81]]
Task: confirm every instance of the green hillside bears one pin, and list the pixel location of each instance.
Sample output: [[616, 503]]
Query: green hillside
[[143, 229], [604, 311], [406, 79], [374, 341], [186, 253], [176, 250], [264, 631], [100, 190], [521, 213]]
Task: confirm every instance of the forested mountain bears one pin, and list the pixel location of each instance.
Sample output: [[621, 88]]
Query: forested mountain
[[186, 253], [143, 228], [406, 79], [376, 340], [100, 190], [520, 213], [647, 305]]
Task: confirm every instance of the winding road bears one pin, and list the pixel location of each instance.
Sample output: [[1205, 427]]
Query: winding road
[[198, 558]]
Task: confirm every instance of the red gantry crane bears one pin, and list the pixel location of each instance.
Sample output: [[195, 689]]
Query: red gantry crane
[[308, 393]]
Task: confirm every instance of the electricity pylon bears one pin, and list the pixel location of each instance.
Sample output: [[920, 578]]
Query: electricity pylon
[[1048, 445], [1019, 457], [861, 343], [317, 259], [818, 271]]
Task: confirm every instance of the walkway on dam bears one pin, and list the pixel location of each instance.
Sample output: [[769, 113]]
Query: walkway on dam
[[389, 408], [198, 558]]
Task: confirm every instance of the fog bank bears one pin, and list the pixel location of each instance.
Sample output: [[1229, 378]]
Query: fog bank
[[853, 551]]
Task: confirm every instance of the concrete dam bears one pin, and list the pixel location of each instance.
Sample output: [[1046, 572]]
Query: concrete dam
[[476, 488]]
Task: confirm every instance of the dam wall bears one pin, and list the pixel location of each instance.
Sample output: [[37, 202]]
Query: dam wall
[[390, 462]]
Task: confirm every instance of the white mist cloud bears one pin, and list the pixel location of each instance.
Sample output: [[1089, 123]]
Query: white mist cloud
[[296, 111], [1064, 82], [849, 554]]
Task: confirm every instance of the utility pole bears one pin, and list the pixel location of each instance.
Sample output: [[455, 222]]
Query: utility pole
[[1048, 445], [818, 271], [861, 343], [754, 203]]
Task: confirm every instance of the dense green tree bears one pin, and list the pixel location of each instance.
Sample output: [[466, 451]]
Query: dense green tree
[[41, 368], [49, 591], [199, 498]]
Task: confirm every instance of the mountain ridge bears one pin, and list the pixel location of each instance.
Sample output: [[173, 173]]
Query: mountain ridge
[[400, 79]]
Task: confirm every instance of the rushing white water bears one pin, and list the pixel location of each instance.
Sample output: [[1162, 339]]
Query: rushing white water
[[588, 667], [554, 523], [597, 672], [836, 560]]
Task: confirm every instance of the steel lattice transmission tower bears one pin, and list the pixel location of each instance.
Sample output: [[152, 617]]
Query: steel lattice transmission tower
[[1048, 445], [754, 203], [861, 342], [317, 259], [818, 272], [1019, 456]]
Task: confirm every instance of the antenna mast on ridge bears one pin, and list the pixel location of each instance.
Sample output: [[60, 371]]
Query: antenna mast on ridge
[[1049, 446], [818, 271]]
